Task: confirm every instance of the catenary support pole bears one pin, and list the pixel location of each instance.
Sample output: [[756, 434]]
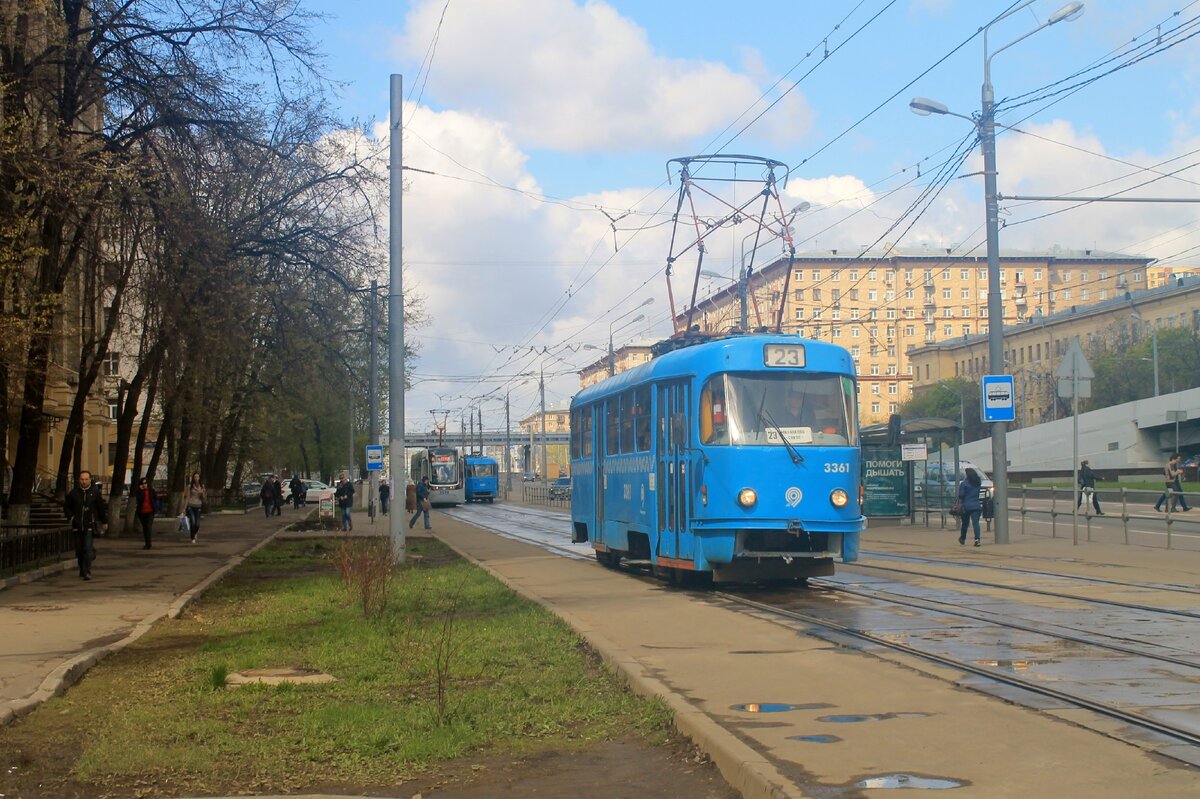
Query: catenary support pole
[[373, 400], [396, 459]]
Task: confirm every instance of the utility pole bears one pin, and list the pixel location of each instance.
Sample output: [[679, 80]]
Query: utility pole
[[462, 436], [373, 390], [507, 447], [396, 464], [542, 389], [469, 443], [479, 410]]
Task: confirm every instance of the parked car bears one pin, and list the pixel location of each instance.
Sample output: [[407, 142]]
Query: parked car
[[529, 477], [939, 479], [561, 488], [314, 489]]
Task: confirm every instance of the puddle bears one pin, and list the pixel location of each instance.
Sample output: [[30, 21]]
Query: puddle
[[901, 781], [855, 718], [771, 707], [815, 739], [38, 608]]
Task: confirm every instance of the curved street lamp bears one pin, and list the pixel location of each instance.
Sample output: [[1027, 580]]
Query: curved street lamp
[[638, 318], [986, 128]]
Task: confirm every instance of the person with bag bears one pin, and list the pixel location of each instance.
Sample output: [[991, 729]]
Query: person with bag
[[970, 505], [87, 510], [423, 504], [194, 499], [1087, 488], [345, 500], [385, 494], [267, 495], [1173, 478], [146, 501]]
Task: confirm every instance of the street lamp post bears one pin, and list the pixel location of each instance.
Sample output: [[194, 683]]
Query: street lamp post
[[986, 127], [1153, 347], [612, 362]]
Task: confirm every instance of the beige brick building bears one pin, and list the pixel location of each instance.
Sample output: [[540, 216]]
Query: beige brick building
[[623, 358], [882, 305], [1035, 347]]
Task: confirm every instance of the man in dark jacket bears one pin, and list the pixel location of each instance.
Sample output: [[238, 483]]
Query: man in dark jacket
[[345, 501], [1087, 485], [297, 487], [85, 507]]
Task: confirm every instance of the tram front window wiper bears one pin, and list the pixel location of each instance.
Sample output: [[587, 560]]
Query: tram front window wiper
[[797, 458]]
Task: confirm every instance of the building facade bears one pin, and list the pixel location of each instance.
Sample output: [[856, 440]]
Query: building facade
[[624, 358], [558, 458], [882, 306], [1034, 348]]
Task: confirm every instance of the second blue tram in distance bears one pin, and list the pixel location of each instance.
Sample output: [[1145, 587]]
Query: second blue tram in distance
[[481, 478], [444, 468], [735, 459]]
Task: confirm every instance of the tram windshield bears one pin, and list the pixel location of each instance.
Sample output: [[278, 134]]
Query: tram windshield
[[444, 465], [481, 470], [774, 409]]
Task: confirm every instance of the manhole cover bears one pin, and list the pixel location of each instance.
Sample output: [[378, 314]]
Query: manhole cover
[[38, 608], [276, 676]]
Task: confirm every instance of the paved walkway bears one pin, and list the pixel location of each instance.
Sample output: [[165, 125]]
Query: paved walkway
[[702, 658]]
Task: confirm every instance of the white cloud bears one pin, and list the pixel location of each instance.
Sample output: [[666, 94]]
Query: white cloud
[[578, 78]]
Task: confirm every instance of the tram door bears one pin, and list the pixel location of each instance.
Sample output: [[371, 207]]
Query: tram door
[[597, 432], [671, 431]]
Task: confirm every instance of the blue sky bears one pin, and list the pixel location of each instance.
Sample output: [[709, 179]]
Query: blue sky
[[588, 101]]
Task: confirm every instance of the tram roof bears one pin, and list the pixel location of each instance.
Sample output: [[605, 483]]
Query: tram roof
[[703, 360]]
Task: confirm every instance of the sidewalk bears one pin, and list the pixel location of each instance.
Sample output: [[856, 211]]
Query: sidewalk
[[57, 626]]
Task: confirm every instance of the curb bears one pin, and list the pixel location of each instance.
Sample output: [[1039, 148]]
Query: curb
[[72, 670], [36, 574], [746, 770]]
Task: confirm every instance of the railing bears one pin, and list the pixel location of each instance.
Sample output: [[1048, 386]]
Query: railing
[[1085, 513], [23, 548], [543, 494]]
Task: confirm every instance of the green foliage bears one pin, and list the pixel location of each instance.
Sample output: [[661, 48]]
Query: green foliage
[[1126, 373], [943, 403]]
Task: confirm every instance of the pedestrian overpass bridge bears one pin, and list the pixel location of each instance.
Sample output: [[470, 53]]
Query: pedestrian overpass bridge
[[490, 438]]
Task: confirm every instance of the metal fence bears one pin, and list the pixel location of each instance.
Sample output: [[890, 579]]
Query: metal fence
[[1063, 503], [543, 494], [23, 548]]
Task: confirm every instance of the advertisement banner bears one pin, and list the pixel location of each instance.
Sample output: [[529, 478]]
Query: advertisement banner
[[885, 482]]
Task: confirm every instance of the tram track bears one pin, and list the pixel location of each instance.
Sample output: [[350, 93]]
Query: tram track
[[1103, 666], [1170, 732]]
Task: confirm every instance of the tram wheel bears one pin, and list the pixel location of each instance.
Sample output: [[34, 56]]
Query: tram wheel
[[608, 559]]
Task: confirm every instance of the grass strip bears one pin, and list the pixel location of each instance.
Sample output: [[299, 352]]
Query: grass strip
[[452, 663]]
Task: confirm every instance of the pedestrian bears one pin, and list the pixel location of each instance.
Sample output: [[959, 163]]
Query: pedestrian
[[87, 510], [345, 500], [146, 501], [1087, 487], [278, 496], [267, 495], [297, 487], [385, 493], [968, 495], [422, 503], [1172, 496], [194, 498]]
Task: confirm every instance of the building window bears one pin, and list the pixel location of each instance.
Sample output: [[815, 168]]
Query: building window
[[964, 274], [854, 274], [945, 274], [1084, 275], [1137, 277], [114, 409], [871, 275], [817, 313], [1037, 274], [892, 354], [892, 388], [889, 295], [945, 294], [891, 313], [854, 294], [966, 311], [966, 330], [799, 275], [873, 314], [816, 295], [836, 313], [908, 294], [837, 294], [1104, 275], [875, 388], [948, 330], [799, 294], [874, 368], [910, 313], [910, 330], [835, 275], [853, 313], [873, 295], [1083, 293], [1064, 276], [854, 332], [948, 313], [893, 407], [1066, 294], [1104, 294], [816, 274], [799, 313], [112, 364], [855, 351]]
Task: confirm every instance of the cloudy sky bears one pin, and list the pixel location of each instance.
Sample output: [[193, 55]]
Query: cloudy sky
[[548, 126]]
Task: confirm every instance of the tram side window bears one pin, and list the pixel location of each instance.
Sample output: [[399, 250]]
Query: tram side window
[[576, 417], [585, 432], [714, 427], [627, 411], [612, 411], [641, 419]]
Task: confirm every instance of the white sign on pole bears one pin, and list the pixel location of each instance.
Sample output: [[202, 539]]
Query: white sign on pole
[[1064, 388], [374, 457], [1074, 364], [913, 452]]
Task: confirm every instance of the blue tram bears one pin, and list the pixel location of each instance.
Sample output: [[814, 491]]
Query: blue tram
[[481, 478], [444, 468], [736, 458]]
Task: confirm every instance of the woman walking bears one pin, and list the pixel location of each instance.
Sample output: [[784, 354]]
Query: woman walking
[[194, 496], [968, 495], [145, 500]]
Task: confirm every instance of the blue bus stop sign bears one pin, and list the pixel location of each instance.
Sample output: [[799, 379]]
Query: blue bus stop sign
[[997, 399], [374, 457]]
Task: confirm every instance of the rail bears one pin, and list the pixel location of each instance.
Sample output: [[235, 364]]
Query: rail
[[544, 494], [1108, 497], [23, 547]]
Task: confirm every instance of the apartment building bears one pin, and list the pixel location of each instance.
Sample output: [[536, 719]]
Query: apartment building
[[558, 457], [881, 305], [624, 358], [1035, 347]]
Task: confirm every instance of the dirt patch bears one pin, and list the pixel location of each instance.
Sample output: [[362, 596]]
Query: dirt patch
[[630, 768]]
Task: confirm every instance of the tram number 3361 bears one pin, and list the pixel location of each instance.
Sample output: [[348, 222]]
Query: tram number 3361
[[837, 468]]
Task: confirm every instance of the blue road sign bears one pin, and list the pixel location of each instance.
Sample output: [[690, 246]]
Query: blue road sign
[[374, 458], [997, 399]]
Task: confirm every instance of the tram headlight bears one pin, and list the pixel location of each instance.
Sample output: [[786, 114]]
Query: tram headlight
[[839, 497], [747, 497]]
